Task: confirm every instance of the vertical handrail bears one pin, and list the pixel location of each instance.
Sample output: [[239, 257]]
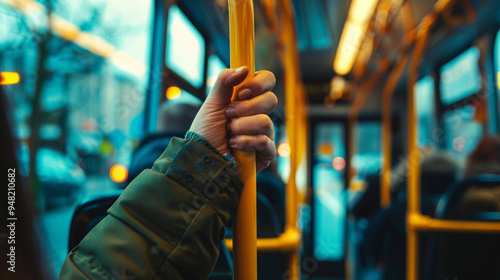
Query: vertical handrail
[[293, 119], [242, 45], [364, 91], [413, 151], [385, 179], [392, 81]]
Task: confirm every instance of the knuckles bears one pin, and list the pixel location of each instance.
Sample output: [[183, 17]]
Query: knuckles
[[266, 124], [273, 100]]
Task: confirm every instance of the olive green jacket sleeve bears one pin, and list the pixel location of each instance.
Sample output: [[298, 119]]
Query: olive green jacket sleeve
[[167, 224]]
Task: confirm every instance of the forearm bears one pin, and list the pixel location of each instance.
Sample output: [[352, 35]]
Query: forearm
[[167, 224]]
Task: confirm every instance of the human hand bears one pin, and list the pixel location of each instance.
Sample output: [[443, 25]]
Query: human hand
[[243, 124]]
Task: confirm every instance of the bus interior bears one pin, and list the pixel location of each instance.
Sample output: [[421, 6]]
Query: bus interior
[[382, 104]]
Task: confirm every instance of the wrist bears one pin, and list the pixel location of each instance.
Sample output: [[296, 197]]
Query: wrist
[[197, 137]]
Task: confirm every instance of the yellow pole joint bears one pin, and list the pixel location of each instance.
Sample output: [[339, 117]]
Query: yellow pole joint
[[287, 242]]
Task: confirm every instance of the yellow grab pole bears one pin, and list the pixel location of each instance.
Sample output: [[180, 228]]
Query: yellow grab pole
[[289, 241], [414, 155], [385, 183], [242, 44], [415, 220], [291, 66], [413, 151], [392, 81], [363, 93]]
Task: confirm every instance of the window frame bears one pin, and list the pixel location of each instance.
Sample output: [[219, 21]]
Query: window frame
[[169, 76], [161, 76]]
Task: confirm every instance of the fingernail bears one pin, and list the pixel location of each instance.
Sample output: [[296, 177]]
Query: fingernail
[[239, 69], [244, 93], [231, 113]]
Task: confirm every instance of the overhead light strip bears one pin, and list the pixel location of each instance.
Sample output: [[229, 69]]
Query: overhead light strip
[[360, 14]]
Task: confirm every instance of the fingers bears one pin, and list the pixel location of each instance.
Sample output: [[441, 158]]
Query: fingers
[[254, 125], [261, 144], [258, 143], [226, 81], [262, 81], [261, 104]]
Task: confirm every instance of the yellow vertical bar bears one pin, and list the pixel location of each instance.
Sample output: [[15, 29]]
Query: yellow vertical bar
[[392, 81], [414, 152], [294, 99], [385, 196], [242, 44], [412, 254]]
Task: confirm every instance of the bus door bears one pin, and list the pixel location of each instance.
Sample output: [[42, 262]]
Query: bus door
[[324, 237]]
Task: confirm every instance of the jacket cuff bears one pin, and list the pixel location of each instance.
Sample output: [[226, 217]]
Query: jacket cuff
[[187, 178], [206, 173], [201, 139]]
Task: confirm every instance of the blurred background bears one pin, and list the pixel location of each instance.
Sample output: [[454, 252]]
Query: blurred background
[[78, 71]]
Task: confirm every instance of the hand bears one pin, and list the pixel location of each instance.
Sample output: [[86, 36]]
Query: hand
[[243, 124]]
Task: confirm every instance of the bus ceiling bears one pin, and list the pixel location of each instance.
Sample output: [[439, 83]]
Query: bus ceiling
[[321, 25]]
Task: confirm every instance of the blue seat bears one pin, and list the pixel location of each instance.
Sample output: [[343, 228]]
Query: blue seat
[[149, 149], [464, 256], [88, 213]]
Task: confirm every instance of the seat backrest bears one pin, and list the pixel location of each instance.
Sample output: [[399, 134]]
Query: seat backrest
[[150, 149], [273, 188], [456, 255], [88, 214]]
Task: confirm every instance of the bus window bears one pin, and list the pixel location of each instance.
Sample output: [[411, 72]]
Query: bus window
[[462, 132], [460, 77], [329, 192], [92, 94], [367, 161], [185, 50], [424, 96], [215, 65]]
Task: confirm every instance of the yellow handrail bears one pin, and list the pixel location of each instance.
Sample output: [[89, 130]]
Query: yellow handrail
[[270, 13], [289, 241], [419, 222], [360, 100], [242, 44], [294, 120], [413, 151], [397, 72], [392, 81]]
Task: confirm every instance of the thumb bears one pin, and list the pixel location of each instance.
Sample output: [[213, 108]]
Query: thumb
[[226, 81]]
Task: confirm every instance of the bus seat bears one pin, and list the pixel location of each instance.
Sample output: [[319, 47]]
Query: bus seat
[[94, 208], [273, 188], [149, 149], [268, 224], [272, 265], [389, 225], [267, 221], [88, 213], [455, 255]]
